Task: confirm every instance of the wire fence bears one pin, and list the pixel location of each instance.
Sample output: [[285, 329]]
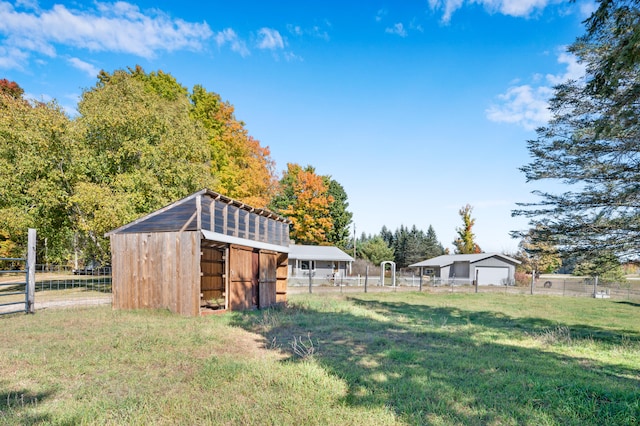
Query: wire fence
[[57, 277], [65, 285], [57, 285], [546, 285]]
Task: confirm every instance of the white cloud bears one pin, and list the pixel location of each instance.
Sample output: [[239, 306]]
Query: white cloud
[[12, 58], [516, 8], [587, 8], [397, 29], [575, 70], [90, 69], [270, 39], [113, 27], [527, 105], [228, 36], [295, 30], [380, 14], [315, 31], [523, 105]]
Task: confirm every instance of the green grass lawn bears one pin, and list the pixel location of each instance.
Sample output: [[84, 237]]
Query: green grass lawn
[[376, 358]]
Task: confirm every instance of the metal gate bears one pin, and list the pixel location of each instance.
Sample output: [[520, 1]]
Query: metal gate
[[13, 282], [19, 280]]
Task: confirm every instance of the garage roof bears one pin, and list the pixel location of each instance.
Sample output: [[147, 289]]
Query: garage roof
[[449, 259]]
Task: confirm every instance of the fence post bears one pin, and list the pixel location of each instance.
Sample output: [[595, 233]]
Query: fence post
[[533, 280], [310, 279], [366, 278], [31, 271]]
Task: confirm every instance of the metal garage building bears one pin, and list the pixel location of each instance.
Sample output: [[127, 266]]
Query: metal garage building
[[488, 268]]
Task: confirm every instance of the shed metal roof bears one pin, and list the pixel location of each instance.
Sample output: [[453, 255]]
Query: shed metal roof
[[330, 253], [449, 259], [186, 214], [219, 218]]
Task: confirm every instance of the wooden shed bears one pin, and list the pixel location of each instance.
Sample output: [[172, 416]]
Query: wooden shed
[[202, 254]]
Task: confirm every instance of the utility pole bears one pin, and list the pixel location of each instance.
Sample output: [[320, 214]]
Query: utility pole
[[354, 241]]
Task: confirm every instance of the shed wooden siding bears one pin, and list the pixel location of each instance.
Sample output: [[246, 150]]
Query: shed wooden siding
[[157, 270]]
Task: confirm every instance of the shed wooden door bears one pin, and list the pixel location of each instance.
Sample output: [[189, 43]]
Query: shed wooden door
[[244, 278], [268, 278], [212, 265]]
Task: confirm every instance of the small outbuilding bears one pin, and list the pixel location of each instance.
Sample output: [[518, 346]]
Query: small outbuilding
[[321, 261], [487, 268], [202, 254]]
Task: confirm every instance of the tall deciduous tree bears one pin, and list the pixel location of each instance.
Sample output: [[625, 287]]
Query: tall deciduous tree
[[141, 148], [591, 144], [537, 255], [304, 199], [243, 168], [37, 168], [11, 88], [606, 266], [465, 243]]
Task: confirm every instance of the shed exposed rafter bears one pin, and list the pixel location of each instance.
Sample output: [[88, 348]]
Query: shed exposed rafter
[[209, 211]]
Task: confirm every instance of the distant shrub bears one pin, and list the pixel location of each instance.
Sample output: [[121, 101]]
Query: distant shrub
[[522, 279]]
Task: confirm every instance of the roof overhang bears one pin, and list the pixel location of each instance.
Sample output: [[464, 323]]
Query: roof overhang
[[222, 238]]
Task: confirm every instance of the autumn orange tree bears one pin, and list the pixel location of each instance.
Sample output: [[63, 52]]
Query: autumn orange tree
[[304, 198], [243, 168], [465, 243]]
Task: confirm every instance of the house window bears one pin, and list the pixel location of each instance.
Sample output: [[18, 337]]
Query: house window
[[427, 271], [305, 265]]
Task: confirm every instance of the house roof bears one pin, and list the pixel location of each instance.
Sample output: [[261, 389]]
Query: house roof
[[449, 259], [330, 253]]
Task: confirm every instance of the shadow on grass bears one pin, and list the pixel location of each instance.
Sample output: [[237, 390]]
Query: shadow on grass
[[446, 365], [15, 407], [637, 305]]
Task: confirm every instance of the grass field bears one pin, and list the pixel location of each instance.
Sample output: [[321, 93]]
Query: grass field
[[350, 359]]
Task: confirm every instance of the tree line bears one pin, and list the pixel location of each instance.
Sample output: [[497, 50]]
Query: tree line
[[140, 141]]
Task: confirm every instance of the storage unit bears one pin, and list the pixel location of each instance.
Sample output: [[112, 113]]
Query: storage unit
[[205, 253]]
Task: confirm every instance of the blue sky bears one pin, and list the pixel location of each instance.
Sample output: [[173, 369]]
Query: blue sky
[[417, 108]]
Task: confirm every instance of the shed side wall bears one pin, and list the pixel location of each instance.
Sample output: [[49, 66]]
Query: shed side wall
[[156, 270]]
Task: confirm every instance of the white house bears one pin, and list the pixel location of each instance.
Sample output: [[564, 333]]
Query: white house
[[487, 268], [322, 261]]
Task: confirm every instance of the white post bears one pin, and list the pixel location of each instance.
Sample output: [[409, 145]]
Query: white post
[[31, 271], [533, 279], [393, 273]]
